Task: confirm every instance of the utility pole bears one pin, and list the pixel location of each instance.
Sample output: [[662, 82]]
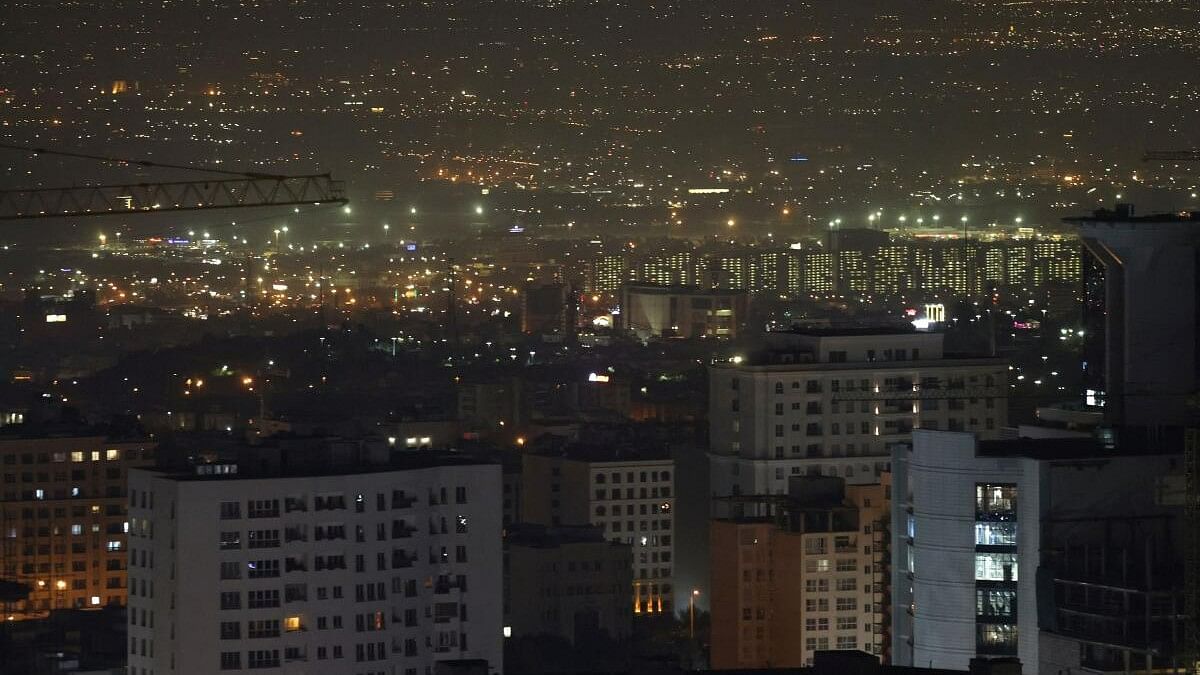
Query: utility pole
[[451, 304], [692, 614]]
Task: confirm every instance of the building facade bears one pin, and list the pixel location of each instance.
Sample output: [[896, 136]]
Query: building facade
[[811, 576], [680, 311], [832, 403], [1055, 550], [629, 495], [1142, 303], [570, 582], [64, 519], [378, 569]]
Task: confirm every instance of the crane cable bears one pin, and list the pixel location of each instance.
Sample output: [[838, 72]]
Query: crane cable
[[138, 162]]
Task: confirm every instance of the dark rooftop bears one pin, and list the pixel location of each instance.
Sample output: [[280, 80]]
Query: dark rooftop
[[1124, 213], [542, 536], [260, 463]]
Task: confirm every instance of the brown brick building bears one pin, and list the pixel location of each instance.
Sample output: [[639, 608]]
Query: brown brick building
[[63, 519]]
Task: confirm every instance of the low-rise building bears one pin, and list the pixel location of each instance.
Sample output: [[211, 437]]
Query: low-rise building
[[569, 582], [622, 484], [682, 311]]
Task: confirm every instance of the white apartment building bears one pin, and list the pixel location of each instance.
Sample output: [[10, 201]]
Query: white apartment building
[[831, 403], [628, 495], [375, 570]]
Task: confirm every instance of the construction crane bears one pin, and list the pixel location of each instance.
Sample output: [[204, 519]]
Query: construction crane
[[234, 190]]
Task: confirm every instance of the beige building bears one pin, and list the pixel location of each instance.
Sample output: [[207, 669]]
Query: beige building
[[64, 519], [625, 491], [811, 575], [832, 402]]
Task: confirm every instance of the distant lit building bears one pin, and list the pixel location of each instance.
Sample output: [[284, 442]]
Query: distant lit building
[[818, 272], [64, 518], [892, 269], [810, 575], [606, 273], [729, 271], [681, 311]]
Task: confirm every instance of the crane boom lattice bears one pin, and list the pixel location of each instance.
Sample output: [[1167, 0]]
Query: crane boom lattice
[[229, 193]]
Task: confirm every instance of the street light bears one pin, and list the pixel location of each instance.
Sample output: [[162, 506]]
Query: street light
[[692, 613]]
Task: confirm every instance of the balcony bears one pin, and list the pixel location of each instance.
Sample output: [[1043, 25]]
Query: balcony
[[294, 565], [334, 503], [295, 593], [402, 530], [402, 501], [295, 534], [294, 504], [402, 559]]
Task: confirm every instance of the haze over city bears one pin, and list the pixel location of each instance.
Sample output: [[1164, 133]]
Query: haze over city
[[596, 336]]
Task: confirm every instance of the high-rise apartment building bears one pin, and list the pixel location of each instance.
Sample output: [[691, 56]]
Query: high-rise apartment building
[[831, 402], [64, 519], [606, 273], [345, 567], [819, 272], [1143, 313], [1057, 550], [811, 575], [626, 489]]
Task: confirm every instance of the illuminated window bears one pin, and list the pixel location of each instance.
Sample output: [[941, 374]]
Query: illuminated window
[[816, 565], [996, 638], [292, 623], [995, 603], [995, 534], [995, 501], [995, 566], [77, 456], [112, 454], [95, 455]]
